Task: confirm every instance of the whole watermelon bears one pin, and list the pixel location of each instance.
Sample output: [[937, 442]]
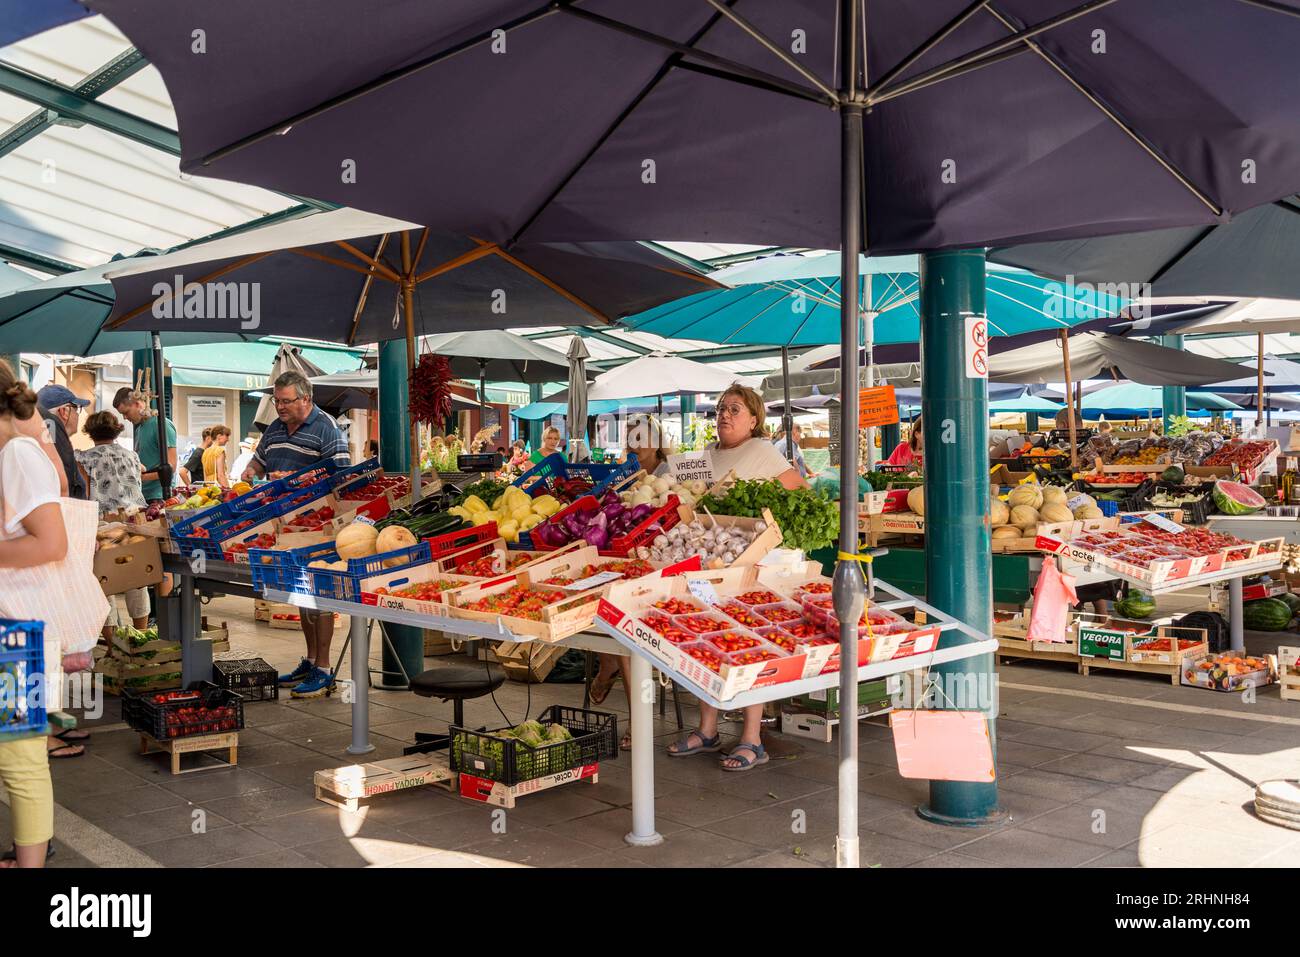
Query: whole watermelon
[[1136, 605], [1266, 614], [1233, 498], [1292, 600]]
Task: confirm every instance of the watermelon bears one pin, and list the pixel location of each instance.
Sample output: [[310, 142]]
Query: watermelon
[[1233, 498], [1266, 614], [1173, 474], [1136, 605], [1292, 600]]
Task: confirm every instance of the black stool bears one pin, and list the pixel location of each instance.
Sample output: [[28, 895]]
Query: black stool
[[453, 683]]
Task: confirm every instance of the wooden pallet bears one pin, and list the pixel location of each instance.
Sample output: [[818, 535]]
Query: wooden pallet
[[227, 741], [1009, 647], [528, 661], [347, 786]]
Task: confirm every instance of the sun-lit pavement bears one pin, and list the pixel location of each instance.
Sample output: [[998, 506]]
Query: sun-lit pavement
[[1098, 771]]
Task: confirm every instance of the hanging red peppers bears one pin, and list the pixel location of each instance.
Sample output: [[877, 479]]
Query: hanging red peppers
[[430, 390]]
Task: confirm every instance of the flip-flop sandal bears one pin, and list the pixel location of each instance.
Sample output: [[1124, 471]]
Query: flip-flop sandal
[[74, 734], [54, 754], [606, 689], [707, 745], [759, 752], [626, 743]]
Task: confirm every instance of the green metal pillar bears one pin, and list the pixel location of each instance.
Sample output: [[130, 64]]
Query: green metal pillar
[[395, 457], [535, 426], [1173, 398], [1031, 421], [890, 436], [687, 410], [958, 553]]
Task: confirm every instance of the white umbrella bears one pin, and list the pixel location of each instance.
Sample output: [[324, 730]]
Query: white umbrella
[[578, 356], [661, 374], [288, 358]]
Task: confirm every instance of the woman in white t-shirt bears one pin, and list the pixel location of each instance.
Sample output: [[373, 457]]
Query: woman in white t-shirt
[[31, 533], [742, 448]]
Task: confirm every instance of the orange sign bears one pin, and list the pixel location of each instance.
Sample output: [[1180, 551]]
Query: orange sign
[[877, 406]]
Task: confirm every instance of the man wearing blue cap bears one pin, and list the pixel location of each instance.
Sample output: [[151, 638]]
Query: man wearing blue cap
[[61, 410]]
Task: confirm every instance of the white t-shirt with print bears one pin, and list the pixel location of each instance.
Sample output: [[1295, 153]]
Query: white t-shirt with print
[[752, 459], [27, 481]]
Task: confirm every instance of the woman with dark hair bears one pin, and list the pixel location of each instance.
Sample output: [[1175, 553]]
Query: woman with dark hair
[[909, 452]]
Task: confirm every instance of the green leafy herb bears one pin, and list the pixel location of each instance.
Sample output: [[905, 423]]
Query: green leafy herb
[[808, 521]]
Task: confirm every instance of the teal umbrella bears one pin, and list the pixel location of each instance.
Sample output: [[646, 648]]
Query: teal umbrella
[[1025, 403], [794, 301], [1132, 399]]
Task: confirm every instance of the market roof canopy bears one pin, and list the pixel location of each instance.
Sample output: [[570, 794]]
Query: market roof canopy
[[1132, 398], [357, 389], [330, 276], [563, 125], [1093, 352], [789, 300], [246, 365]]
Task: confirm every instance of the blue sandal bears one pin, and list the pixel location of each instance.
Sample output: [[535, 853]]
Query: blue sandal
[[709, 745], [759, 752]]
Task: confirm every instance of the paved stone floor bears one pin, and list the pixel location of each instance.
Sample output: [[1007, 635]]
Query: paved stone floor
[[1109, 770]]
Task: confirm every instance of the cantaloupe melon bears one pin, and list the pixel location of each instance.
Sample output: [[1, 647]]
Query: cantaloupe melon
[[916, 500], [393, 538], [1053, 495], [358, 540], [998, 512], [1006, 531], [1030, 495], [1088, 511], [1055, 513], [1024, 516]]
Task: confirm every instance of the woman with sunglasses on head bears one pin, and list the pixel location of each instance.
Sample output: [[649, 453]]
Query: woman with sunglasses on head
[[741, 448]]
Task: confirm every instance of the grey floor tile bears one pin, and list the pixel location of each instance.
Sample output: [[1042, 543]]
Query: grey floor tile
[[284, 857], [874, 850], [1106, 768], [1044, 782], [472, 824], [536, 848], [1105, 827], [259, 806], [1021, 847], [608, 828], [691, 848], [361, 852], [214, 847], [779, 859], [217, 783]]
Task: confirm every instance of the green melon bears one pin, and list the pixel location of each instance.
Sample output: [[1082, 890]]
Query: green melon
[[1292, 600], [1266, 614], [1233, 498], [1136, 605]]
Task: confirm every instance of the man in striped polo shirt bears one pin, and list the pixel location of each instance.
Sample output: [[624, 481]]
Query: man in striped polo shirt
[[301, 436]]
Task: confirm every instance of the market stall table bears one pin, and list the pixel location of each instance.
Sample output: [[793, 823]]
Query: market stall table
[[179, 617], [609, 639]]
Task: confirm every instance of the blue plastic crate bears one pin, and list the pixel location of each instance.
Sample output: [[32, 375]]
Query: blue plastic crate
[[1108, 508], [540, 479], [22, 677], [217, 524], [297, 479], [291, 573]]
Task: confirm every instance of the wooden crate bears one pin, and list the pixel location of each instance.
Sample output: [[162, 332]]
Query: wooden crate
[[437, 644], [289, 618], [1288, 672], [227, 741], [527, 661], [347, 786]]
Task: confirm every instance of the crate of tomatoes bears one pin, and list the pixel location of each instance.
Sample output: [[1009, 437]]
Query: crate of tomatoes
[[202, 708], [543, 612]]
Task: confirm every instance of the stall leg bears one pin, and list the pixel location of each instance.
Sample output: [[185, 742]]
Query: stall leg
[[1236, 637], [178, 620], [643, 756], [359, 638]]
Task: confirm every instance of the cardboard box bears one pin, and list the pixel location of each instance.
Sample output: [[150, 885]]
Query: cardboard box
[[494, 792], [121, 568], [820, 726], [1193, 675], [827, 700], [344, 787]]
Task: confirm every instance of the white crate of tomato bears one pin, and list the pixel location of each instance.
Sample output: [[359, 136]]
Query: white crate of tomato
[[738, 629]]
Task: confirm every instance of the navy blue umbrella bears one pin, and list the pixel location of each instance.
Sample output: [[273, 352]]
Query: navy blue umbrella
[[20, 19]]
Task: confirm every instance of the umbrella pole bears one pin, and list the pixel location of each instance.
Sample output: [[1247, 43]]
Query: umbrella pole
[[482, 394], [408, 307], [1069, 399], [787, 419], [161, 392], [1259, 407], [868, 348], [849, 590]]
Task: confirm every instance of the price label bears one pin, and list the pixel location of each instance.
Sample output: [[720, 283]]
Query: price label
[[592, 581], [1074, 501], [703, 590], [1160, 522], [363, 519], [691, 467]]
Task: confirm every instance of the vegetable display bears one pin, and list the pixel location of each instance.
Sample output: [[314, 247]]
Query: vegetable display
[[717, 545], [513, 511], [518, 602], [596, 524], [807, 520], [656, 490]]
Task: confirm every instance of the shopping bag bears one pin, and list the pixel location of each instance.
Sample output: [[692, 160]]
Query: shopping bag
[[943, 745], [64, 594]]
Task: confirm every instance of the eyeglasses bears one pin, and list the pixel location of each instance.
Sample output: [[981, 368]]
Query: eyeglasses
[[282, 403], [732, 410]]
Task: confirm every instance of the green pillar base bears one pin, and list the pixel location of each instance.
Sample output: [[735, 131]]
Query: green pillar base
[[408, 642], [394, 428], [997, 816]]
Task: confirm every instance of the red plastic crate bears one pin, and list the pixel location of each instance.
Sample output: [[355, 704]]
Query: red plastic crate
[[448, 542], [667, 517], [586, 502]]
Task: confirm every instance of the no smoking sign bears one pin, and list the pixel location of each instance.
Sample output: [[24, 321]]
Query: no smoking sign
[[977, 347]]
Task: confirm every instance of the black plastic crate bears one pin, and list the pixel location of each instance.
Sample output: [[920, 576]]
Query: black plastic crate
[[202, 708], [252, 678], [1196, 513], [484, 754]]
